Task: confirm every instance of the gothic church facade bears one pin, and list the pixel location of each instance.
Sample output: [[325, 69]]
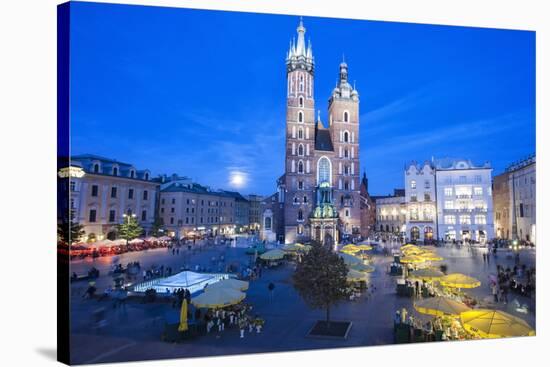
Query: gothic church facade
[[320, 189]]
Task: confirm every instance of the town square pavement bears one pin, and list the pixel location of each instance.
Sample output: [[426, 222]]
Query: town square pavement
[[134, 332]]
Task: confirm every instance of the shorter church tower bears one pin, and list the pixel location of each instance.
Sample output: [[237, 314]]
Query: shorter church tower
[[344, 127]]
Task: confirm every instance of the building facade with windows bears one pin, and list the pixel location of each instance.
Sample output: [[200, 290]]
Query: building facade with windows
[[464, 200], [255, 216], [321, 181], [272, 209], [106, 192], [241, 211], [515, 201], [188, 209], [420, 198], [391, 213]]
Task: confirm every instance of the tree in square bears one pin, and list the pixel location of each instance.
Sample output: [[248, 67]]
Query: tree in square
[[130, 228], [70, 232], [320, 279]]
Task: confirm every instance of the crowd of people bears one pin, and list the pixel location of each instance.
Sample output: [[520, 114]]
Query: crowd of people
[[233, 317], [519, 279]]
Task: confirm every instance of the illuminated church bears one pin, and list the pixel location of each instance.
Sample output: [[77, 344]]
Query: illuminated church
[[318, 196]]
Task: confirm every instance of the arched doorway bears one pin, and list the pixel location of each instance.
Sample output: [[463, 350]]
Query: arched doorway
[[415, 233], [329, 241]]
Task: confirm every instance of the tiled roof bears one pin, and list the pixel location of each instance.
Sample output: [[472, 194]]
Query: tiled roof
[[323, 140]]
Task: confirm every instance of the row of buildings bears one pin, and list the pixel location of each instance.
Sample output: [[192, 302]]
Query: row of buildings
[[454, 199], [103, 192]]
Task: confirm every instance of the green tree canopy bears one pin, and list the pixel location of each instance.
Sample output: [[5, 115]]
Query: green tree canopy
[[320, 278], [70, 232], [129, 229]]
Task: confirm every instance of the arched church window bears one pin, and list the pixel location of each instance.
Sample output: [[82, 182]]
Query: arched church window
[[301, 149], [346, 137], [323, 170], [346, 116], [301, 83], [346, 153], [305, 199], [267, 223], [300, 116], [301, 101], [300, 167], [300, 133], [300, 215]]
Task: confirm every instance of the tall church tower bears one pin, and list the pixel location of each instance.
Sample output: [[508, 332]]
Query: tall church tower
[[300, 138], [344, 127]]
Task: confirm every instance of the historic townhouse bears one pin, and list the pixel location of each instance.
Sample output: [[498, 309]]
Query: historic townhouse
[[106, 191]]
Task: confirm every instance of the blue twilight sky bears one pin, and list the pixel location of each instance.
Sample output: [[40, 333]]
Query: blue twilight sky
[[202, 93]]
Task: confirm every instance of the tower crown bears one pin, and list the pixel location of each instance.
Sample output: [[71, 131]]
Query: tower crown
[[299, 56], [343, 89]]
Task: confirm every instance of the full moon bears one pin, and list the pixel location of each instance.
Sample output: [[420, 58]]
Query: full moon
[[237, 179]]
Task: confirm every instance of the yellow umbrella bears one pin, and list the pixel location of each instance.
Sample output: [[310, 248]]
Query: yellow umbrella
[[440, 306], [427, 274], [430, 256], [296, 247], [183, 317], [292, 247], [355, 276], [230, 283], [350, 248], [273, 255], [494, 324], [412, 259], [457, 280], [220, 297], [365, 247], [408, 246]]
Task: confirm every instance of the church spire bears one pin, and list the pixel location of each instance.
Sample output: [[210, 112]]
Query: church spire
[[299, 55]]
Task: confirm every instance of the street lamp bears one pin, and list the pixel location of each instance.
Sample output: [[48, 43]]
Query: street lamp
[[128, 216]]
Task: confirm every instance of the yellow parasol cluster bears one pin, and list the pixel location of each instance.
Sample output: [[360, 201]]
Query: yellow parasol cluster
[[219, 297], [273, 255], [494, 324], [296, 247], [426, 274], [458, 280], [231, 283], [440, 306]]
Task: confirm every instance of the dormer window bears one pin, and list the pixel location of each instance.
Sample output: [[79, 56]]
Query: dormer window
[[96, 167], [146, 177], [132, 174], [115, 171]]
